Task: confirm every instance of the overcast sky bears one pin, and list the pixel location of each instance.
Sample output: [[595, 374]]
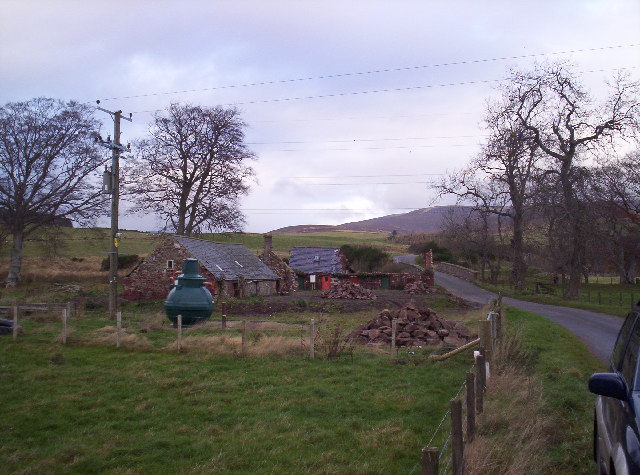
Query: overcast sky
[[352, 106]]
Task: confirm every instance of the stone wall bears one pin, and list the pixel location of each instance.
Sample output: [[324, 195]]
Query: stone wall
[[457, 271], [288, 281]]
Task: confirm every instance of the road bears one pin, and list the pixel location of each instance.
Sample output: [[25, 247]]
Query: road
[[597, 330]]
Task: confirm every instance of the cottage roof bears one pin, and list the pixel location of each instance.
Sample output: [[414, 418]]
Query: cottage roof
[[227, 261], [320, 260]]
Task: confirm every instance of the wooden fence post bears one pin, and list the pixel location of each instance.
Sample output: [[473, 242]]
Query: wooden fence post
[[394, 323], [480, 383], [244, 338], [70, 308], [457, 444], [118, 328], [224, 315], [312, 339], [15, 321], [65, 314], [429, 460], [179, 333], [471, 406]]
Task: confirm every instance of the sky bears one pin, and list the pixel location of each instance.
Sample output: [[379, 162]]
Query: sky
[[353, 108]]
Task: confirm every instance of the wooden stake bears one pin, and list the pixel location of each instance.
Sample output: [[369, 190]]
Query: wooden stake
[[224, 315], [457, 447], [118, 328], [65, 314], [15, 321], [179, 333], [70, 306], [471, 406], [394, 324], [460, 349], [480, 383], [429, 460], [484, 330], [244, 337], [312, 338]]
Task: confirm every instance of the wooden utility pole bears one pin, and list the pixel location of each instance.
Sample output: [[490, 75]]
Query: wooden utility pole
[[111, 184]]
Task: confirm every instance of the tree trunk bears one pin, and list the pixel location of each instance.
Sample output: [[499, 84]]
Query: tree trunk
[[16, 259], [519, 269]]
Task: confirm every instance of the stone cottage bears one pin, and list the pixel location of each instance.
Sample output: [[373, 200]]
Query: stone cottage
[[231, 270]]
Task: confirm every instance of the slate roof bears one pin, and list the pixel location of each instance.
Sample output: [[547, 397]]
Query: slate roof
[[227, 261], [316, 260]]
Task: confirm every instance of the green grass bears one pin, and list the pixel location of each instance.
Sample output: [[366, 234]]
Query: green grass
[[563, 365], [79, 409], [614, 299], [84, 242]]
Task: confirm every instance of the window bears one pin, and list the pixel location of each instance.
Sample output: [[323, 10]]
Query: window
[[170, 264], [621, 342]]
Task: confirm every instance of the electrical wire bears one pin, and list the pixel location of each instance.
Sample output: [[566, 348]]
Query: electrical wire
[[375, 71], [376, 91]]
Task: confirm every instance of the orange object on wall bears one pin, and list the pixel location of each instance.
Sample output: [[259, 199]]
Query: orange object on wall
[[325, 282]]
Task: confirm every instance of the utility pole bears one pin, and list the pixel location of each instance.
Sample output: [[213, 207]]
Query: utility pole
[[111, 184]]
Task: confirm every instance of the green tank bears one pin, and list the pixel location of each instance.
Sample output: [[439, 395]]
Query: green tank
[[189, 297]]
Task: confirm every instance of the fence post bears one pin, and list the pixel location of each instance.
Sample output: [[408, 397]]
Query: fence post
[[15, 321], [485, 336], [312, 339], [244, 338], [471, 406], [70, 312], [65, 314], [224, 315], [179, 333], [457, 447], [118, 328], [429, 460], [480, 382], [393, 339]]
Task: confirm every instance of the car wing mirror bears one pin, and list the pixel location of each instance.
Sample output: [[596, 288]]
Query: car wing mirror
[[608, 385]]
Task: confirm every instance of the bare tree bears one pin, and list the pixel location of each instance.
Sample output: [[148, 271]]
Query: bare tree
[[617, 194], [191, 170], [550, 104], [47, 159], [500, 181]]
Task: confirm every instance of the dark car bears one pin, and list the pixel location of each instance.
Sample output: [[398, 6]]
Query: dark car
[[616, 441]]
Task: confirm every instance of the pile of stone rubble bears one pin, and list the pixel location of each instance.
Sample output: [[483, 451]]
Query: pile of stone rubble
[[348, 290], [413, 328]]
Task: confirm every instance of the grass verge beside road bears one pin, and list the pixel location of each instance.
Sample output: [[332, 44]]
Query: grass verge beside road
[[539, 412]]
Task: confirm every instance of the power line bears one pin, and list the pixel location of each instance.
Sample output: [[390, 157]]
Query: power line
[[367, 140], [364, 176], [376, 91], [375, 71]]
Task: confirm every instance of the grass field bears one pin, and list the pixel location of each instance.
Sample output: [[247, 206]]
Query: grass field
[[88, 409], [82, 243]]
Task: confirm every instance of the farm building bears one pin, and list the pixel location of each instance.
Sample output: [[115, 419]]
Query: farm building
[[231, 270], [316, 265]]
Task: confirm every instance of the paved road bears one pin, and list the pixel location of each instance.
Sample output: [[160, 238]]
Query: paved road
[[597, 330]]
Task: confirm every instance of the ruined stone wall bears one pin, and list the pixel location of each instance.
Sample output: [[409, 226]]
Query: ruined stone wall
[[457, 271], [151, 279], [288, 281]]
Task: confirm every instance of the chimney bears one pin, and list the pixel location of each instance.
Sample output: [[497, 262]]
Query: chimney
[[268, 241]]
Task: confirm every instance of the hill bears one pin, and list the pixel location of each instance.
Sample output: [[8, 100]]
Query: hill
[[424, 220]]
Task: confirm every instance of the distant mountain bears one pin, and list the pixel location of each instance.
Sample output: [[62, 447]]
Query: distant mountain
[[425, 220]]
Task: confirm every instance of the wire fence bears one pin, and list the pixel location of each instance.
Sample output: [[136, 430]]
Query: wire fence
[[466, 405], [64, 324]]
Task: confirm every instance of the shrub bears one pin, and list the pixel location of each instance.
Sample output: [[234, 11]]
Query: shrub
[[124, 261], [364, 258]]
